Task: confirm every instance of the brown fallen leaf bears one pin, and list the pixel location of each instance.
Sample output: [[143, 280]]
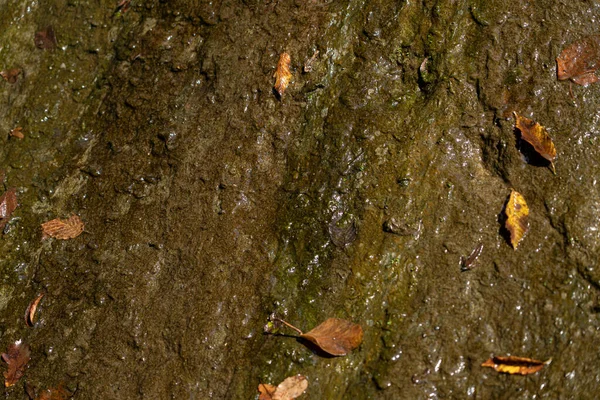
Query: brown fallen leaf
[[537, 136], [334, 336], [31, 309], [579, 61], [289, 389], [515, 365], [517, 213], [11, 75], [46, 38], [282, 74], [59, 393], [63, 229], [17, 132], [17, 357], [8, 204]]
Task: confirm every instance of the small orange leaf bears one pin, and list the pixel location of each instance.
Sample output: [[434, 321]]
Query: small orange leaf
[[10, 75], [63, 229], [515, 365], [517, 213], [17, 358], [31, 309], [537, 136], [289, 389], [17, 132], [579, 61], [335, 336], [282, 74]]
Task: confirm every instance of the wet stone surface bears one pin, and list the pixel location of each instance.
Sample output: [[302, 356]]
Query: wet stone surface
[[209, 203]]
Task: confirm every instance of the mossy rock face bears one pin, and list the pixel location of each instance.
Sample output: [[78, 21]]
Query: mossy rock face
[[209, 203]]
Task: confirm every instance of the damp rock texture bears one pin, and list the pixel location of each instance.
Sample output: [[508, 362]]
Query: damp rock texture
[[209, 202]]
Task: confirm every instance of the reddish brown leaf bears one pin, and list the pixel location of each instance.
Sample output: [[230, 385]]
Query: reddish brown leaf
[[17, 357], [63, 229], [335, 336], [8, 204], [580, 60], [289, 389], [10, 75], [282, 74], [46, 38], [59, 393], [515, 365], [31, 309], [17, 132]]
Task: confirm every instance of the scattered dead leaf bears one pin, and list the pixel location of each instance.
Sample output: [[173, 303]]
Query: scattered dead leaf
[[282, 74], [17, 132], [579, 61], [537, 136], [289, 389], [31, 309], [8, 204], [11, 75], [58, 393], [467, 263], [335, 336], [123, 5], [46, 38], [517, 213], [308, 65], [63, 229], [17, 357], [515, 365]]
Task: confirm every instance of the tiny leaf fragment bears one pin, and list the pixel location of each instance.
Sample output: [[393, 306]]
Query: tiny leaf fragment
[[517, 213], [8, 204], [63, 229], [291, 388], [335, 336], [515, 365], [17, 133], [31, 309], [10, 75], [17, 357], [282, 74], [537, 136]]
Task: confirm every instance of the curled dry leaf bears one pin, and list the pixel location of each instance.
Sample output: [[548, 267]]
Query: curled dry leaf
[[63, 229], [537, 136], [289, 389], [517, 214], [335, 336], [8, 204], [515, 365], [31, 309], [17, 357], [282, 74], [17, 132], [467, 263], [46, 38], [579, 61], [11, 75]]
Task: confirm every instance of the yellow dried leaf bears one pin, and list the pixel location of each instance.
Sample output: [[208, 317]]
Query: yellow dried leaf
[[515, 365], [537, 136], [282, 74], [63, 229], [517, 214]]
